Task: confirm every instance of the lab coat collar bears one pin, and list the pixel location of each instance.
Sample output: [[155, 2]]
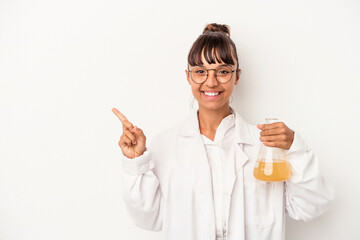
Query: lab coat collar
[[190, 127]]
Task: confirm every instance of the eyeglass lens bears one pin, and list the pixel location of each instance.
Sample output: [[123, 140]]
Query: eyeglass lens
[[223, 74]]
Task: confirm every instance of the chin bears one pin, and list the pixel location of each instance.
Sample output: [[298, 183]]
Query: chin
[[211, 105]]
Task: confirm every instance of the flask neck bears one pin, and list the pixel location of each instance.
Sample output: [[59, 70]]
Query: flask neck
[[271, 120]]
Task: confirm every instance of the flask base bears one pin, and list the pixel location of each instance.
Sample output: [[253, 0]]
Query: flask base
[[277, 171]]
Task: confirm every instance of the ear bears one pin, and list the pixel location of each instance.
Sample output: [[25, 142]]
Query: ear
[[237, 76], [187, 76]]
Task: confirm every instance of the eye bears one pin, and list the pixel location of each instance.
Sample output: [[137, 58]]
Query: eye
[[223, 72], [200, 71]]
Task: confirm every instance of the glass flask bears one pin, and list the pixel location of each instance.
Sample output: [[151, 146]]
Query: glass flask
[[271, 164]]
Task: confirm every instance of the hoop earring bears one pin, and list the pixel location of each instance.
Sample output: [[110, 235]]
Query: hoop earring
[[192, 103], [231, 98]]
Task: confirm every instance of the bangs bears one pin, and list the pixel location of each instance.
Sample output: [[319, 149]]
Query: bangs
[[215, 47]]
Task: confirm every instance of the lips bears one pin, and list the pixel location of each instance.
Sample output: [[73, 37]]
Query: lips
[[211, 97], [213, 92]]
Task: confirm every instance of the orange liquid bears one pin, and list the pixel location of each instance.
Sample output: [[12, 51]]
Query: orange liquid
[[277, 171]]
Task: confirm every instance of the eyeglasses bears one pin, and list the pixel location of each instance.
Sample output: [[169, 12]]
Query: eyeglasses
[[199, 74]]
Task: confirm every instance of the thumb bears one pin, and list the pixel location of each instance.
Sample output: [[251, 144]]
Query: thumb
[[134, 129], [137, 132]]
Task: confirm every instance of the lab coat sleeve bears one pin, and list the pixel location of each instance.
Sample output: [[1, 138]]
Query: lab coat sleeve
[[141, 192], [307, 193]]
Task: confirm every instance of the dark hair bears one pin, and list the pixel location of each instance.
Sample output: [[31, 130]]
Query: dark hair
[[216, 43]]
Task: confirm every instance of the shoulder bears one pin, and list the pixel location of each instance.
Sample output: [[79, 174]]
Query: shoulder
[[167, 134], [162, 145], [251, 129], [254, 130]]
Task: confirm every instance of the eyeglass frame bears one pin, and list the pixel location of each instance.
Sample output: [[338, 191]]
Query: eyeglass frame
[[207, 74]]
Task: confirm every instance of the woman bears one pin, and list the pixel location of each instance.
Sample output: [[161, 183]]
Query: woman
[[195, 180]]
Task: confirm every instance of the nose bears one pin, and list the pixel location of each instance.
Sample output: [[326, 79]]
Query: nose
[[211, 79]]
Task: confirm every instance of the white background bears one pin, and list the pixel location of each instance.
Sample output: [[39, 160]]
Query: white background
[[65, 64]]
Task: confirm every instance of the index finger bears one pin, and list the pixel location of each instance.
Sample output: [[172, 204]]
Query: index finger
[[119, 115], [271, 126], [123, 119]]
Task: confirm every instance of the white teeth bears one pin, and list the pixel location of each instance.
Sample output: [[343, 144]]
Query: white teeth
[[211, 94]]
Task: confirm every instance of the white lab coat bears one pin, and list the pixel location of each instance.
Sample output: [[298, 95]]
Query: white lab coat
[[168, 188]]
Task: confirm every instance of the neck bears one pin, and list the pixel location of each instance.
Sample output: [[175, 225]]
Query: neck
[[209, 119]]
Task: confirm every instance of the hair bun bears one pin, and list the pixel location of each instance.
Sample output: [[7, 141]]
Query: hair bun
[[214, 27]]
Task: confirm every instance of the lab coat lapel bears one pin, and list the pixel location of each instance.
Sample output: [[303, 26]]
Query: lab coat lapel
[[192, 153], [236, 184], [242, 137]]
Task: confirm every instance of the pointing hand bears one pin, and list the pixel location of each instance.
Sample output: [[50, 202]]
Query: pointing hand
[[132, 141]]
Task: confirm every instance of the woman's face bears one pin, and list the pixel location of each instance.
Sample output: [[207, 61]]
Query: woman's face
[[211, 84]]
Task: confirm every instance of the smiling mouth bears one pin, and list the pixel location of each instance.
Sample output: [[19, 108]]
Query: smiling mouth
[[212, 95]]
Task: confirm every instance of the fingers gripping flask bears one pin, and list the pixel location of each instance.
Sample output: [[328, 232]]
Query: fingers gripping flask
[[271, 164]]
